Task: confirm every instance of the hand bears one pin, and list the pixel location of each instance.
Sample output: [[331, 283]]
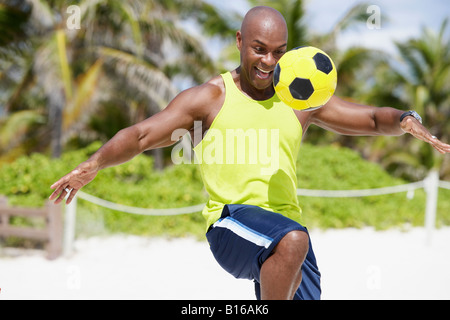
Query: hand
[[74, 181], [415, 128]]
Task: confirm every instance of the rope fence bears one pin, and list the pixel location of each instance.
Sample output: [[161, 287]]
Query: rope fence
[[444, 184], [430, 184], [361, 192], [140, 211]]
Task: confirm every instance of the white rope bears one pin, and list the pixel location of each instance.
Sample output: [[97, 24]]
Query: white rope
[[141, 211], [360, 193], [300, 192], [444, 184]]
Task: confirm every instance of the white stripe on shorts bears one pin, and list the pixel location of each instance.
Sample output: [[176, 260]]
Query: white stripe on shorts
[[244, 232]]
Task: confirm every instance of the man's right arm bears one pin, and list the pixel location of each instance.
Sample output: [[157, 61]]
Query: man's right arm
[[154, 132]]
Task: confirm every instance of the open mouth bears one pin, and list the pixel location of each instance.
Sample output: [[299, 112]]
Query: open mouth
[[263, 74]]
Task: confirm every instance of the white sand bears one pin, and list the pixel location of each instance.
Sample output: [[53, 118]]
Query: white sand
[[355, 264]]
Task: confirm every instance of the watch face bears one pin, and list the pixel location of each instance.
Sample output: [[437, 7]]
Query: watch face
[[416, 115], [413, 114]]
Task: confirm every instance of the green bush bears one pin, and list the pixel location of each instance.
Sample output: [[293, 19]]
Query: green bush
[[337, 168], [26, 182]]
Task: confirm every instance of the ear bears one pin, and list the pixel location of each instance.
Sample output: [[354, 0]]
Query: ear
[[239, 40]]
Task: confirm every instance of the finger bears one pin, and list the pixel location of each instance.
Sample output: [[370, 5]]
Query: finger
[[439, 145], [63, 192], [61, 182], [443, 148], [59, 189], [62, 195], [440, 150], [71, 196], [54, 194]]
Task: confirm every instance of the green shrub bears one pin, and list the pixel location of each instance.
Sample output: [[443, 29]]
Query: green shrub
[[26, 182], [337, 168]]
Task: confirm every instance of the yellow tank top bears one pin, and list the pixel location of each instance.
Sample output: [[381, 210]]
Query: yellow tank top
[[248, 156]]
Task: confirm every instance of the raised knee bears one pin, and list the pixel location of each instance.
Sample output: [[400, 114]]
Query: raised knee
[[296, 238], [295, 244]]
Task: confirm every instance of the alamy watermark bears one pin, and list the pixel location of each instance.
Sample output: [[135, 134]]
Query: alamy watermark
[[73, 21], [73, 277], [373, 281], [231, 147], [374, 20]]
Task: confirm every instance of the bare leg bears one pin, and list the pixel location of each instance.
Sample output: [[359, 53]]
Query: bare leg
[[281, 273]]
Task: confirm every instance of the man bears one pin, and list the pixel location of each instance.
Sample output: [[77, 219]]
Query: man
[[253, 213]]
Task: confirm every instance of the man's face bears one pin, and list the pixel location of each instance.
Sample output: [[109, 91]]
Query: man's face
[[261, 46]]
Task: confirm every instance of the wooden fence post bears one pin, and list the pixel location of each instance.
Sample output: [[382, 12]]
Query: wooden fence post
[[55, 230], [4, 219]]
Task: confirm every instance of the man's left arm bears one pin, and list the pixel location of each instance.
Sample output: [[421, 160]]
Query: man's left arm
[[349, 118]]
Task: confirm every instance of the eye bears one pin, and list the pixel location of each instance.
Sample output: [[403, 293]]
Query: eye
[[259, 49]]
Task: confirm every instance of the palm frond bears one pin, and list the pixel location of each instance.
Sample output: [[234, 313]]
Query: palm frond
[[214, 22], [355, 15], [140, 74], [85, 89], [13, 18], [42, 16], [66, 75], [16, 126]]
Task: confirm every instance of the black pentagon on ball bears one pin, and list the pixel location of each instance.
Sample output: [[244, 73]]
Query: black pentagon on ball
[[276, 75], [323, 63], [301, 89]]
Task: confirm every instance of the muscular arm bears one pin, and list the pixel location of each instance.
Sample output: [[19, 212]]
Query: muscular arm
[[353, 119], [151, 133], [154, 132], [358, 120]]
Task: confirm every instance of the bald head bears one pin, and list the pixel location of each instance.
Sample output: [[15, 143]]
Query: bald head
[[264, 19], [261, 41]]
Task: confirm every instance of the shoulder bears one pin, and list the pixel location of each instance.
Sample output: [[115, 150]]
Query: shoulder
[[199, 103], [212, 89], [209, 93]]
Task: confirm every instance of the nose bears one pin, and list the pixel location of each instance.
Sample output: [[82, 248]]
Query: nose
[[269, 60]]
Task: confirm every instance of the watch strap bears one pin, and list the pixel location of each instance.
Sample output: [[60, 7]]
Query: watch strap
[[412, 114]]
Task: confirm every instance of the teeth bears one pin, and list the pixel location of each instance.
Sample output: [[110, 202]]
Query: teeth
[[266, 72]]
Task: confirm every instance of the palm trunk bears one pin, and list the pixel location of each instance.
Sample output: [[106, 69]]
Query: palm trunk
[[56, 103]]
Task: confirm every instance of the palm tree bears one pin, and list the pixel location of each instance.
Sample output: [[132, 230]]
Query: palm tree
[[44, 78], [419, 79], [118, 57], [13, 18]]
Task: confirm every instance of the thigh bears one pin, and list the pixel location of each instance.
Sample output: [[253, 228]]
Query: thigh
[[244, 237]]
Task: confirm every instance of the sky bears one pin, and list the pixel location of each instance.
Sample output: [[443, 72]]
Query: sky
[[401, 19]]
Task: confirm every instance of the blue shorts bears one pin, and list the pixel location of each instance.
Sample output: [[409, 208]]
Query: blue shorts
[[245, 236]]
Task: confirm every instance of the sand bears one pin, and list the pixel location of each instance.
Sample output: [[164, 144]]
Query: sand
[[355, 264]]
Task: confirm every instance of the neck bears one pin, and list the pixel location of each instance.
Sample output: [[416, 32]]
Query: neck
[[249, 90]]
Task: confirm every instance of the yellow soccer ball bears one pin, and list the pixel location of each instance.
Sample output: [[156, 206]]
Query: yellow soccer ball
[[305, 78]]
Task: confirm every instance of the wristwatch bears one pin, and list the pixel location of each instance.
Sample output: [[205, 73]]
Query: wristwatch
[[412, 114]]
